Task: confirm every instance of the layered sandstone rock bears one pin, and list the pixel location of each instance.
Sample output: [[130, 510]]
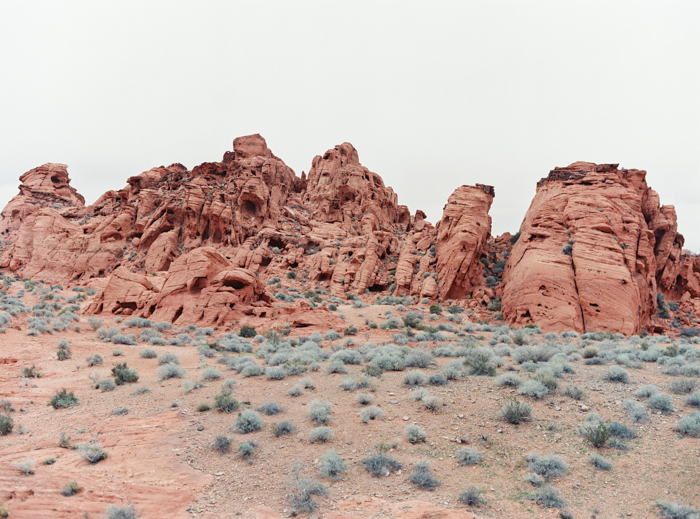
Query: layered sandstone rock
[[462, 233], [589, 252]]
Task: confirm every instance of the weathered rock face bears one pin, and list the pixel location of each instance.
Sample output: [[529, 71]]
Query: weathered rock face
[[589, 252], [461, 236]]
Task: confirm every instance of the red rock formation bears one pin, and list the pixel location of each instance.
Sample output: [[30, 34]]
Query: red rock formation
[[461, 236], [588, 255]]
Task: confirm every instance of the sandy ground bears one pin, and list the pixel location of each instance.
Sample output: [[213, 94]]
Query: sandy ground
[[161, 457]]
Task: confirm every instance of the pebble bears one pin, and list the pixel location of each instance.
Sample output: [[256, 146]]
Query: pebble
[[405, 418]]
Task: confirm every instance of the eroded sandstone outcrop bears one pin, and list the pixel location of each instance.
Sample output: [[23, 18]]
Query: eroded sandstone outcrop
[[593, 244]]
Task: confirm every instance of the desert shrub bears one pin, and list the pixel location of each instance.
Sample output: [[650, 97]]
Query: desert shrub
[[117, 353], [364, 398], [138, 322], [95, 322], [419, 359], [170, 370], [379, 464], [64, 442], [246, 450], [550, 466], [670, 510], [336, 367], [123, 374], [332, 335], [332, 466], [350, 330], [63, 399], [275, 373], [432, 404], [202, 407], [210, 374], [222, 444], [106, 385], [509, 379], [282, 428], [157, 341], [415, 378], [617, 374], [622, 431], [468, 456], [295, 390], [597, 433], [148, 353], [128, 340], [371, 413], [248, 421], [471, 497], [121, 512], [247, 331], [635, 411], [515, 412], [225, 403], [92, 452], [6, 424], [646, 391], [660, 402], [693, 400], [683, 386], [252, 370], [690, 425], [575, 392], [548, 497], [422, 478], [26, 467], [619, 445], [599, 462], [270, 408], [349, 384], [119, 411], [534, 389], [321, 434], [538, 353], [70, 489], [302, 490], [320, 411], [414, 433]]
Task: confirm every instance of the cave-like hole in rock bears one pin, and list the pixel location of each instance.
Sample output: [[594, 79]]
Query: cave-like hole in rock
[[234, 283], [276, 243], [248, 208], [178, 314], [130, 306], [265, 262], [199, 284], [377, 288]]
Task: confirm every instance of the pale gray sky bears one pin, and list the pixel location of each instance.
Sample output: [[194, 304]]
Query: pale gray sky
[[432, 94]]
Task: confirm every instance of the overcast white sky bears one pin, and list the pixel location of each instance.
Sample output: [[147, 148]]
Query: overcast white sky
[[432, 94]]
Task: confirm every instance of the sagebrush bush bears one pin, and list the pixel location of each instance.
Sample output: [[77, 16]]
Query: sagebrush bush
[[534, 389], [693, 400], [270, 408], [515, 412], [92, 452], [70, 489], [468, 456], [248, 421], [210, 374], [670, 510], [380, 464], [295, 390], [660, 402], [302, 490], [414, 433], [246, 450], [617, 374], [121, 512], [62, 399], [6, 424], [596, 433], [683, 386], [124, 375], [321, 434], [690, 425], [550, 466], [574, 392], [168, 358], [599, 462], [371, 413], [170, 370], [332, 466], [646, 391], [471, 497], [282, 428], [509, 380], [421, 477], [415, 378], [364, 398], [548, 497], [320, 411], [94, 360], [148, 353], [106, 385], [202, 407], [635, 411]]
